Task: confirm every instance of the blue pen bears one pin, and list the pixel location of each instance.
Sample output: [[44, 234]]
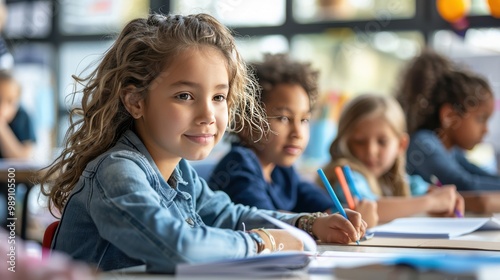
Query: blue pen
[[332, 195], [350, 181]]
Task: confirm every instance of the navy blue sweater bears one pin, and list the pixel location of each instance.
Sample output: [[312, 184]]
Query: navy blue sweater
[[239, 174]]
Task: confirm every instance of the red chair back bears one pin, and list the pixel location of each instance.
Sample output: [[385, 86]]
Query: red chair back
[[47, 239]]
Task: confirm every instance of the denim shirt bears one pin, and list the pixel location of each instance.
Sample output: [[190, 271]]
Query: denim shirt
[[123, 213]]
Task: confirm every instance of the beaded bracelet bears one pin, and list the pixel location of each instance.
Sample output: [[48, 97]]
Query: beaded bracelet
[[305, 223], [271, 238]]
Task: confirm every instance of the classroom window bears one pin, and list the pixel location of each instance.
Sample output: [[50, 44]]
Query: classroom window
[[99, 16], [253, 48], [308, 11], [481, 40], [354, 63], [33, 70], [236, 13], [479, 8], [79, 59], [29, 19]]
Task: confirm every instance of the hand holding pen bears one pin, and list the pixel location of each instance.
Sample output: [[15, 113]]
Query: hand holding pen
[[367, 208], [336, 228], [352, 226], [458, 202]]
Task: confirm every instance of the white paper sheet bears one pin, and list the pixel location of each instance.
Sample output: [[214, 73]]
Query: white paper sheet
[[429, 227]]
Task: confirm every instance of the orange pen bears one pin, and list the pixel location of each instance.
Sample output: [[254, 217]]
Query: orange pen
[[345, 188]]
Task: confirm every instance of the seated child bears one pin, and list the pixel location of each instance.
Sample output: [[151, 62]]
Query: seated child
[[372, 140], [261, 173], [447, 111], [17, 135], [16, 129], [163, 94]]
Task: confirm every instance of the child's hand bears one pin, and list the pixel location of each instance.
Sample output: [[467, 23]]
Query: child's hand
[[444, 200], [459, 204], [368, 210], [283, 239], [336, 229]]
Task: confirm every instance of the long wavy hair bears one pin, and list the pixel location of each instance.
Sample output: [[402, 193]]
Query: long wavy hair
[[141, 51], [363, 106]]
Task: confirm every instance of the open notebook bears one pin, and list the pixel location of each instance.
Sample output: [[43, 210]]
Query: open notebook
[[429, 227], [282, 264], [277, 264]]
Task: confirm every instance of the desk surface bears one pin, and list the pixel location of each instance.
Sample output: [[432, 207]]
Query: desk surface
[[485, 236]]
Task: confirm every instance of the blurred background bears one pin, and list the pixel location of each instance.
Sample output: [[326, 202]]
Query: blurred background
[[359, 46]]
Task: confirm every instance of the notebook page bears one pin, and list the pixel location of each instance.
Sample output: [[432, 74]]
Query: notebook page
[[430, 227]]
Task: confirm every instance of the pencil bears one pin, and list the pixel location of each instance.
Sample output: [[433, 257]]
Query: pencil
[[333, 196], [350, 181], [345, 188]]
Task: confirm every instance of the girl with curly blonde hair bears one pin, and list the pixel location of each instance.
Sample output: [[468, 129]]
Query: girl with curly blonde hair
[[164, 93]]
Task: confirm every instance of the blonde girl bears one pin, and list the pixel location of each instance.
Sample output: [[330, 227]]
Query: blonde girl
[[164, 93], [372, 139]]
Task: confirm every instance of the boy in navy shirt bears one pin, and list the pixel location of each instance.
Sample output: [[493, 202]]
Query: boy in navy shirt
[[260, 173]]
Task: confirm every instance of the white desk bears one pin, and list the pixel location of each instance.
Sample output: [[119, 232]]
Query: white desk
[[478, 236]]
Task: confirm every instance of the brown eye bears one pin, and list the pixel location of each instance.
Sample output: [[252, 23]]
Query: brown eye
[[284, 119], [220, 98], [184, 96]]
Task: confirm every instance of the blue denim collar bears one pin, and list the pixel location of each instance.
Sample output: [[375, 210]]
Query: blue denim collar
[[131, 139]]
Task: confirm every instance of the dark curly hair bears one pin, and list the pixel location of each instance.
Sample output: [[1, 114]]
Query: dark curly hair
[[274, 70], [278, 69], [429, 82]]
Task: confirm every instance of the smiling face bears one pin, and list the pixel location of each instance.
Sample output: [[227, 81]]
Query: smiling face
[[288, 111], [185, 112], [374, 142]]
